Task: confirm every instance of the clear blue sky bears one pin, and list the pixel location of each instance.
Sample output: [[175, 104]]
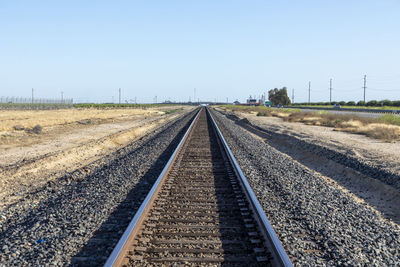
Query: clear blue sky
[[89, 49]]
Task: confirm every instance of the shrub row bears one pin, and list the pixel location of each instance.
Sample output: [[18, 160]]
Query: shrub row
[[372, 103]]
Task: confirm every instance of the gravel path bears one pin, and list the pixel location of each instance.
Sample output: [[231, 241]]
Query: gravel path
[[57, 221], [317, 223]]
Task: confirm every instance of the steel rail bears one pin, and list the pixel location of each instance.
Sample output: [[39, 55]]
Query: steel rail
[[275, 246], [115, 257]]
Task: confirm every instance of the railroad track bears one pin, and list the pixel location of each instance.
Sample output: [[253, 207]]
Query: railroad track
[[200, 211]]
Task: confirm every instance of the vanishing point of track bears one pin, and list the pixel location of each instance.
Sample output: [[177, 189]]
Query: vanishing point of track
[[201, 211]]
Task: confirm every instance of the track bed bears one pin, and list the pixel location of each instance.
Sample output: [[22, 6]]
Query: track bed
[[199, 215]]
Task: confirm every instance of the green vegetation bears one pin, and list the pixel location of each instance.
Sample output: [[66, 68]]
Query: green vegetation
[[345, 106], [390, 119], [373, 104]]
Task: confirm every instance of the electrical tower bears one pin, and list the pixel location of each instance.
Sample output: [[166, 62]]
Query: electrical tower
[[119, 91], [330, 91], [309, 92]]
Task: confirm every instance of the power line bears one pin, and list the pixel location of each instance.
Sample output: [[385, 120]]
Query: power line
[[381, 90]]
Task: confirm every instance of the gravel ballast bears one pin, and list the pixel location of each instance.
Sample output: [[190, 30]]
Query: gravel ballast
[[317, 223], [74, 220]]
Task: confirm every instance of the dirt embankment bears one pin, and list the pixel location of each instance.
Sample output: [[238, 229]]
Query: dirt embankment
[[324, 212], [69, 140], [365, 168]]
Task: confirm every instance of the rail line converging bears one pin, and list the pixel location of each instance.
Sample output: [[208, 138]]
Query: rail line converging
[[200, 211]]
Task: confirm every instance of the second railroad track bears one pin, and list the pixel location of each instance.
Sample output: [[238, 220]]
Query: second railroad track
[[201, 211]]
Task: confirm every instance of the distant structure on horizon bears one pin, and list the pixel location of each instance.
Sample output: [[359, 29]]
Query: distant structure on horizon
[[252, 101]]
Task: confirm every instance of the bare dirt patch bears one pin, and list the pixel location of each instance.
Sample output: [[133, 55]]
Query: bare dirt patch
[[70, 139]]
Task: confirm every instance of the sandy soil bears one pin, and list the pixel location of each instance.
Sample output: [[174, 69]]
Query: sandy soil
[[71, 139], [376, 195]]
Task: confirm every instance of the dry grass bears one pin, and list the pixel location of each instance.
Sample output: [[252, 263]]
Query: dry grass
[[262, 111], [386, 127], [46, 118], [378, 131], [372, 127]]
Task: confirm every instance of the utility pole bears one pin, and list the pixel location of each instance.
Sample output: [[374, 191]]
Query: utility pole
[[330, 91], [309, 92], [32, 95], [365, 85], [194, 95], [135, 99], [292, 96], [119, 91], [62, 97], [226, 100]]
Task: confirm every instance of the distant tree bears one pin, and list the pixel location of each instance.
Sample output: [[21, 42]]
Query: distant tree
[[385, 103], [351, 103], [361, 103], [342, 103], [396, 103], [372, 103], [279, 96]]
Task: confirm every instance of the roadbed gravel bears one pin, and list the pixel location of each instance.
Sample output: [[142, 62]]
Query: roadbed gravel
[[70, 220], [318, 223]]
